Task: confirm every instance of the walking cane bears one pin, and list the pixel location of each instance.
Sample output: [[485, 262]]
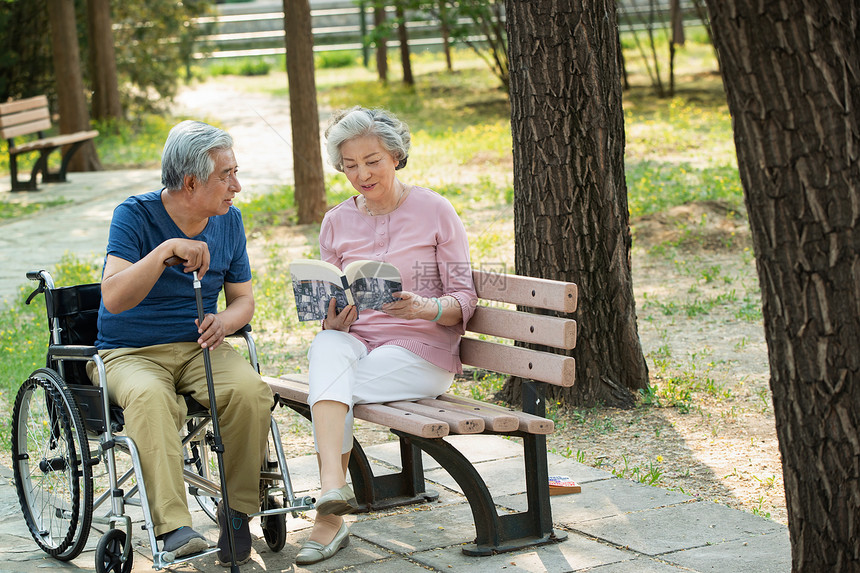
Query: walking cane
[[217, 445]]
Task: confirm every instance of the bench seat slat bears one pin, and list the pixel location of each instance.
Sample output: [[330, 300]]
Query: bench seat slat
[[497, 420], [401, 420], [294, 388], [526, 291], [55, 141], [528, 423], [291, 388], [542, 366], [458, 421], [524, 326]]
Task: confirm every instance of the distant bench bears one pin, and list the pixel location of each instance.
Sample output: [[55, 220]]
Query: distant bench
[[422, 425], [31, 116]]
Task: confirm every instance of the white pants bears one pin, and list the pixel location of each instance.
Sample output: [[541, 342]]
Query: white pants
[[342, 370]]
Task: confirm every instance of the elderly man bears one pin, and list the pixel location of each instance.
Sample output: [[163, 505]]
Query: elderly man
[[151, 342]]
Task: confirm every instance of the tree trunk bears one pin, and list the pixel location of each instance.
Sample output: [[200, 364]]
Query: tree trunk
[[106, 103], [381, 44], [304, 116], [792, 76], [570, 198], [445, 30], [71, 101], [403, 36]]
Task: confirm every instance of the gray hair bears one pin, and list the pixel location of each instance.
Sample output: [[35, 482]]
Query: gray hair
[[345, 125], [187, 151]]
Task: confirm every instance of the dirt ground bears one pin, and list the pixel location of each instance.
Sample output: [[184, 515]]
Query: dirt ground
[[709, 429]]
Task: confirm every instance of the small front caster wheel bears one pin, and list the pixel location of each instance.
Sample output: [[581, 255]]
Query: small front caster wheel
[[109, 553]]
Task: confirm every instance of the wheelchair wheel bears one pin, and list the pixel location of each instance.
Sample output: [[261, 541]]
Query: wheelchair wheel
[[274, 526], [53, 474], [109, 553], [201, 460]]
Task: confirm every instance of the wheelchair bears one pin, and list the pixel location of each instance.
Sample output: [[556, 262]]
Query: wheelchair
[[64, 427]]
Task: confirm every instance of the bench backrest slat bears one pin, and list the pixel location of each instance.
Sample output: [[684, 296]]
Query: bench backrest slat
[[23, 105], [24, 117], [33, 115], [25, 129], [554, 369], [526, 291], [524, 326]]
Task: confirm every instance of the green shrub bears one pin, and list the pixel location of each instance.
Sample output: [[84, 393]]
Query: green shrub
[[325, 60], [255, 68]]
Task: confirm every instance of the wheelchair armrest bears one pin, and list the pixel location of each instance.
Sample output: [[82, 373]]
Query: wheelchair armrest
[[245, 329], [71, 352]]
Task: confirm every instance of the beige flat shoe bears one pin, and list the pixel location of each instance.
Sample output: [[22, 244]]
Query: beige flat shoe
[[314, 552], [337, 502]]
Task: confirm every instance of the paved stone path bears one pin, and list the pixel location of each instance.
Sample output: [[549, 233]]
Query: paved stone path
[[614, 526]]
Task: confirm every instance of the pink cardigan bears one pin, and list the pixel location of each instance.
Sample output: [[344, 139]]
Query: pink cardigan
[[425, 239]]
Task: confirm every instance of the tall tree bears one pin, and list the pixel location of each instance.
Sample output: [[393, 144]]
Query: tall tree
[[792, 76], [71, 100], [105, 87], [570, 198], [304, 117], [403, 36], [445, 30], [381, 41]]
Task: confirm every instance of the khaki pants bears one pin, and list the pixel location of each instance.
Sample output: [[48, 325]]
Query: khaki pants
[[146, 382]]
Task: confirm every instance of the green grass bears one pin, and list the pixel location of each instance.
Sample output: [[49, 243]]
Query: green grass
[[17, 208], [24, 338]]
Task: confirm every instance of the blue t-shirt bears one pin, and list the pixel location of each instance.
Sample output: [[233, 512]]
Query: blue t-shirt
[[167, 314]]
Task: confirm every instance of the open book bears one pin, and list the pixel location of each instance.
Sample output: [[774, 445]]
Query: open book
[[366, 284]]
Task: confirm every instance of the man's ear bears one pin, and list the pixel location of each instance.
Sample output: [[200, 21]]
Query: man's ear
[[189, 181]]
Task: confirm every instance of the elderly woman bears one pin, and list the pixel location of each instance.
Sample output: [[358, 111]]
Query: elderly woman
[[410, 349]]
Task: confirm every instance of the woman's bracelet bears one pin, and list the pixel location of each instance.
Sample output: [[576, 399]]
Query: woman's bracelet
[[439, 307]]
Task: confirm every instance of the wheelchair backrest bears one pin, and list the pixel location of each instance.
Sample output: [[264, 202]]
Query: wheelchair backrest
[[76, 308]]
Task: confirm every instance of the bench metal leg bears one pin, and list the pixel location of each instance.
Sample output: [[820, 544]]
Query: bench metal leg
[[22, 185], [497, 533], [60, 176], [391, 490], [374, 492]]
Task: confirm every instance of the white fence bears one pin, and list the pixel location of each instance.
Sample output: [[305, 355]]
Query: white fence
[[257, 28]]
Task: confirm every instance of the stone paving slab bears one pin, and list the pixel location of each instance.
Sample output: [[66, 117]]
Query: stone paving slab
[[685, 526], [577, 553], [769, 553], [603, 499]]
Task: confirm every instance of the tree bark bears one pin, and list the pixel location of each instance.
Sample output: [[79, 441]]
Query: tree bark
[[570, 198], [403, 37], [792, 77], [445, 30], [105, 87], [381, 44], [71, 101], [304, 116]]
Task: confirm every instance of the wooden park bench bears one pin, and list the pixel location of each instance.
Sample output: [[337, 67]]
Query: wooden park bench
[[423, 425], [31, 116]]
